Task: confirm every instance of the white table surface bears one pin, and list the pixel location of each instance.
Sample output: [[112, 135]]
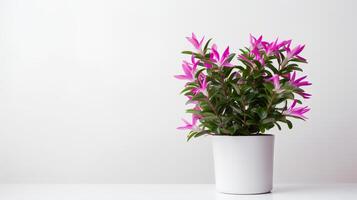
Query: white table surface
[[167, 192]]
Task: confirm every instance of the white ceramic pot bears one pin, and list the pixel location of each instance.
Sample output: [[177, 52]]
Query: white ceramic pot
[[243, 164]]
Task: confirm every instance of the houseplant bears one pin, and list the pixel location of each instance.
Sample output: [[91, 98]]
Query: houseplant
[[237, 102]]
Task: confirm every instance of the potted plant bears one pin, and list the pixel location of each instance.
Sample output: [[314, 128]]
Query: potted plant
[[236, 103]]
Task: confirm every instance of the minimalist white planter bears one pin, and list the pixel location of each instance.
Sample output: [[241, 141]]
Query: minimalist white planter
[[243, 164]]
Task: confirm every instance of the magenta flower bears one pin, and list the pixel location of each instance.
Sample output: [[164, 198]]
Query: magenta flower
[[198, 108], [189, 70], [256, 43], [202, 86], [220, 60], [270, 47], [294, 53], [296, 112], [299, 83], [196, 44], [209, 65], [256, 46], [305, 95], [190, 126], [273, 47], [258, 56], [276, 82]]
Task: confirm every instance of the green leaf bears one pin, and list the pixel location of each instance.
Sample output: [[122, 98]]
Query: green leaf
[[282, 55], [239, 111], [250, 122], [186, 89], [290, 125], [292, 65], [279, 127], [289, 69], [298, 60], [198, 97], [193, 111], [289, 95], [268, 120], [257, 63], [243, 51], [211, 118], [201, 133], [239, 67], [298, 101], [227, 71], [206, 45], [190, 135], [261, 129], [199, 72], [187, 52], [230, 57], [262, 113], [268, 73], [235, 87], [272, 68], [269, 86]]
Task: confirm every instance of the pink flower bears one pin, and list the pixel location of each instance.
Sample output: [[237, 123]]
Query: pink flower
[[198, 108], [305, 95], [202, 86], [256, 46], [220, 60], [296, 112], [196, 44], [256, 43], [258, 56], [299, 83], [209, 65], [190, 126], [276, 82], [294, 53], [189, 70], [270, 47], [273, 47]]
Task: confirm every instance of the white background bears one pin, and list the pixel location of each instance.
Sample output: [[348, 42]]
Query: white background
[[87, 93]]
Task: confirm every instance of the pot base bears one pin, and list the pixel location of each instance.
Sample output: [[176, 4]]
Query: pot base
[[230, 193]]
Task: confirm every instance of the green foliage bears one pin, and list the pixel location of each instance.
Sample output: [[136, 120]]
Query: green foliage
[[240, 100]]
